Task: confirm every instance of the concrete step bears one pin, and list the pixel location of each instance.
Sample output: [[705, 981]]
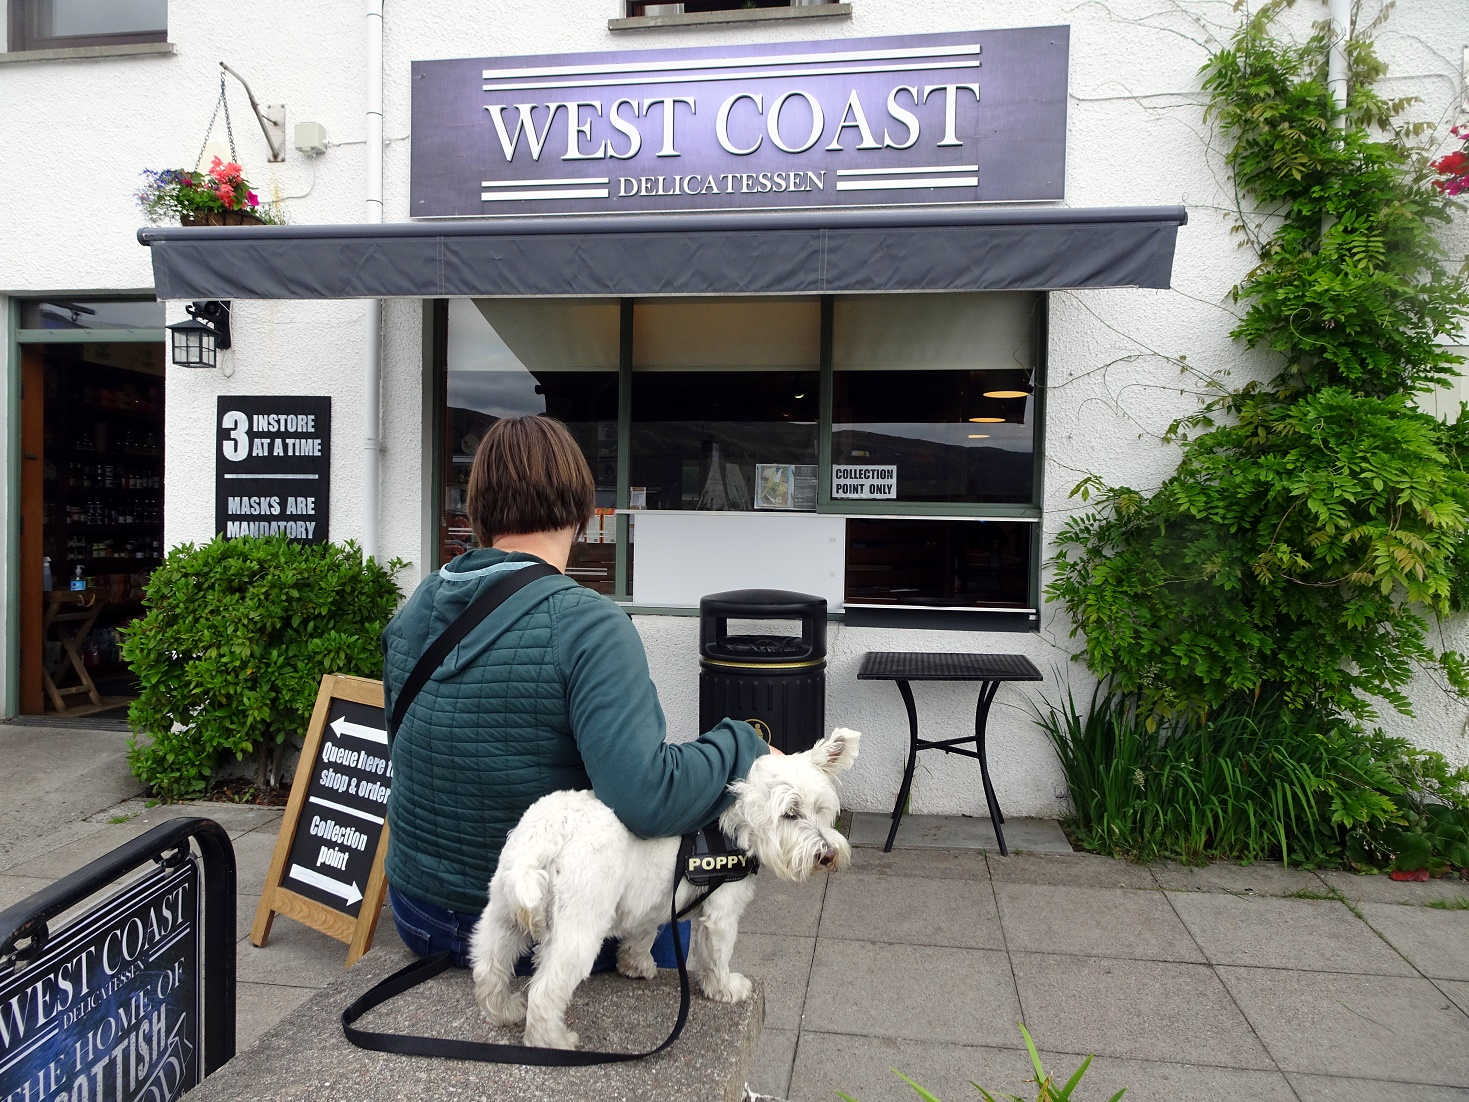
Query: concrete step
[[305, 1056]]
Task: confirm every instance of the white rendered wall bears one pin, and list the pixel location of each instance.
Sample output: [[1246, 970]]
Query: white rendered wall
[[79, 132]]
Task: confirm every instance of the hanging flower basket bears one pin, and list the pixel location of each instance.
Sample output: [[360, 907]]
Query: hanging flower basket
[[219, 197], [221, 218]]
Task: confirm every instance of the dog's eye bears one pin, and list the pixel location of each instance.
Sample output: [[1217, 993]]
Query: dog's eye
[[791, 814]]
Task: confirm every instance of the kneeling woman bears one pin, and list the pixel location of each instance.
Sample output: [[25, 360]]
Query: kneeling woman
[[551, 691]]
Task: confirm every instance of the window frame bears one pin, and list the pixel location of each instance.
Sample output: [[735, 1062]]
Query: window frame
[[19, 40], [1023, 619]]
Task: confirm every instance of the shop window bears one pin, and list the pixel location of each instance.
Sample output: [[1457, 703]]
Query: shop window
[[725, 404], [936, 391], [939, 564], [91, 314], [53, 24], [879, 450], [509, 357], [699, 7]]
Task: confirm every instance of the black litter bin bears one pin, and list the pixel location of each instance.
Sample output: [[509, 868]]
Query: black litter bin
[[777, 683]]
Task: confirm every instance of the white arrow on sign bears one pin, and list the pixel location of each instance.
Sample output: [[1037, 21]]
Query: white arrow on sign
[[349, 892], [342, 727]]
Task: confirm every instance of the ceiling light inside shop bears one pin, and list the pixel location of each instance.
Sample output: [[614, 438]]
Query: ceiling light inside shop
[[1007, 394], [979, 436], [987, 420]]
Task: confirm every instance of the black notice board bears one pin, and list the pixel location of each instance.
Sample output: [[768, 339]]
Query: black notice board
[[111, 1007], [273, 464], [327, 870], [341, 821]]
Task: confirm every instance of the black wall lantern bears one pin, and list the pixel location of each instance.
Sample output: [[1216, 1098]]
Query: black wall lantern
[[208, 330]]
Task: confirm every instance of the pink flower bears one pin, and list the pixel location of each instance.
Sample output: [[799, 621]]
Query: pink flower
[[252, 198], [227, 197]]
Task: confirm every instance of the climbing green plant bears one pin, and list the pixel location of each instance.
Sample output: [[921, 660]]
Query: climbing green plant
[[1315, 525]]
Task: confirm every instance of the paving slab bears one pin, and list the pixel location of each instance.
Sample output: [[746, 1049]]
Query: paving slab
[[917, 992], [1325, 1088], [305, 1056], [1155, 1079], [1436, 942], [1261, 879], [1457, 991], [1380, 888], [781, 907], [941, 864], [1102, 922], [870, 828], [912, 911], [1072, 870], [784, 964], [1153, 1010], [1320, 935], [862, 1067], [15, 888], [253, 852], [775, 1052], [259, 1006], [235, 818], [55, 777], [293, 956], [1366, 1027]]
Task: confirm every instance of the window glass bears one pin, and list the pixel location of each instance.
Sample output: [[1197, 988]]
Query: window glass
[[725, 404], [935, 392], [509, 357], [91, 314], [939, 563], [45, 23]]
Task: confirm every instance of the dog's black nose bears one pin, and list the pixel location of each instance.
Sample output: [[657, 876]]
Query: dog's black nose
[[826, 859]]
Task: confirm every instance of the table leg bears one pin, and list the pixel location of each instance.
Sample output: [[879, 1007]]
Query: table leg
[[907, 784], [981, 718]]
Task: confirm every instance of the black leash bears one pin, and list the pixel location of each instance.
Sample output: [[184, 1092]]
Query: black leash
[[420, 971]]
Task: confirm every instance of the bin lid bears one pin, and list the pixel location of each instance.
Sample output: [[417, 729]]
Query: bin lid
[[759, 648], [762, 603]]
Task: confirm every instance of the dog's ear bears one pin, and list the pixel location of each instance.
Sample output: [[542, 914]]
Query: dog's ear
[[836, 753]]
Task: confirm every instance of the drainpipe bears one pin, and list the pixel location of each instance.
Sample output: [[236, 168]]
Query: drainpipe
[[373, 359], [1339, 15]]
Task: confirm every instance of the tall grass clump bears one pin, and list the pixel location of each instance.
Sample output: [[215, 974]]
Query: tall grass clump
[[1253, 781]]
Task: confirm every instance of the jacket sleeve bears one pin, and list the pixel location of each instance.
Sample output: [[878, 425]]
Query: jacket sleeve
[[656, 788]]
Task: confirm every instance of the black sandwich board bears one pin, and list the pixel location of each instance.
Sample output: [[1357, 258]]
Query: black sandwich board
[[328, 866]]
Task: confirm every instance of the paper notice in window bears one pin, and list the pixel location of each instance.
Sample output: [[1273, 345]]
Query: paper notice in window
[[851, 481]]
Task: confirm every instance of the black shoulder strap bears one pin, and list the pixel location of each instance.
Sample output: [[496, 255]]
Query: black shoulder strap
[[421, 970], [466, 622]]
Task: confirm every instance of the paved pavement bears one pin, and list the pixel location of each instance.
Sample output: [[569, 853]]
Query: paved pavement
[[1209, 983]]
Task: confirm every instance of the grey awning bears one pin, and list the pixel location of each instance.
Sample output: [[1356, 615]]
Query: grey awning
[[783, 252]]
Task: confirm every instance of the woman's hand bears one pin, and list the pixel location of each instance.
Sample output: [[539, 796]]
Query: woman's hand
[[776, 749]]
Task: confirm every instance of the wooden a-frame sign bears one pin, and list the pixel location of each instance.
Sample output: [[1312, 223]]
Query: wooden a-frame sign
[[327, 871]]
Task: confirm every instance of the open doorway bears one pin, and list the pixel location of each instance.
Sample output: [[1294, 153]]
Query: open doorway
[[91, 497]]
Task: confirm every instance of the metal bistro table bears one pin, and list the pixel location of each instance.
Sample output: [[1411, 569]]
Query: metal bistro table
[[988, 669]]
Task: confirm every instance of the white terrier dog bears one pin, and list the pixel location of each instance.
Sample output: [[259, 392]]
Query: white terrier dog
[[571, 875]]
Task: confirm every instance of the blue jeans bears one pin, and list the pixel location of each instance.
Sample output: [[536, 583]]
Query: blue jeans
[[426, 928]]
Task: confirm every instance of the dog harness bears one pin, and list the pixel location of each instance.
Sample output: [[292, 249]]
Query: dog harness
[[708, 859], [705, 859]]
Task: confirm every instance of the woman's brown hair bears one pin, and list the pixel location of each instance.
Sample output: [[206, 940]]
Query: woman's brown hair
[[528, 476]]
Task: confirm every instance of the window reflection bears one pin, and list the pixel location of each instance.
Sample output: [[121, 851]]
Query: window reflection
[[509, 358]]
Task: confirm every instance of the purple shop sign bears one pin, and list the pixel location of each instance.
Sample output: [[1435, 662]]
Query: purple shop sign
[[974, 117]]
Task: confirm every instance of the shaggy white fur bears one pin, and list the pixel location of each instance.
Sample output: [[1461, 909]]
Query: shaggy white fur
[[571, 875]]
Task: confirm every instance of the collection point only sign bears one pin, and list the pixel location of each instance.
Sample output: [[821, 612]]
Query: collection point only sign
[[976, 116]]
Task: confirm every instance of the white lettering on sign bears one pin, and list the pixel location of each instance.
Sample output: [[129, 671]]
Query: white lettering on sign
[[864, 482], [587, 132]]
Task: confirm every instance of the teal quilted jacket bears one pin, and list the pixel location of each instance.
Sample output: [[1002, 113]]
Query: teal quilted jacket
[[551, 691]]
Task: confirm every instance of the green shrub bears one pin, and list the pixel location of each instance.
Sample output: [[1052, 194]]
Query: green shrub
[[230, 651], [1253, 782]]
